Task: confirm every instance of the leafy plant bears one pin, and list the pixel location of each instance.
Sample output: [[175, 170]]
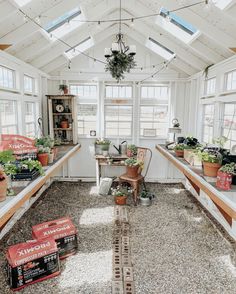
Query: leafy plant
[[120, 64], [209, 156], [45, 141], [133, 149], [220, 141], [63, 87], [6, 156], [42, 150], [229, 168], [133, 162], [145, 194], [180, 146], [191, 142], [102, 142], [10, 169], [121, 191]]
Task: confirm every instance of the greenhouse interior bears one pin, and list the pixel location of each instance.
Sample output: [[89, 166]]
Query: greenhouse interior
[[118, 146]]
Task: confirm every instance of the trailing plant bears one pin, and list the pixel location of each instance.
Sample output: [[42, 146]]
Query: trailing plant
[[121, 191], [133, 162], [229, 168], [133, 148], [120, 64], [6, 156]]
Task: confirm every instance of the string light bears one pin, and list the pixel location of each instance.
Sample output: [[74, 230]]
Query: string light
[[132, 22]]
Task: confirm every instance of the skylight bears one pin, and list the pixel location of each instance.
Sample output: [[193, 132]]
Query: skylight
[[81, 47], [22, 2], [221, 3], [176, 25], [65, 23], [160, 49]]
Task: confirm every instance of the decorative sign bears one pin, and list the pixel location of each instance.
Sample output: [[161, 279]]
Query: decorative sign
[[18, 144]]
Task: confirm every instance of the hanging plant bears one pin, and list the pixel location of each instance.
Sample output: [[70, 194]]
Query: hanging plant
[[119, 65]]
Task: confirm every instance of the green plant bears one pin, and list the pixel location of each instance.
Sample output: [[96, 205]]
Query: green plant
[[57, 142], [102, 142], [121, 191], [45, 141], [145, 194], [133, 148], [229, 168], [209, 156], [42, 150], [6, 156], [63, 87], [10, 169], [32, 164], [120, 64], [181, 146], [133, 162], [220, 141]]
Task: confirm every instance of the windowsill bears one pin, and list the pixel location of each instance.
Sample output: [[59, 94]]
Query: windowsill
[[228, 92], [9, 90], [153, 138], [31, 94], [208, 96]]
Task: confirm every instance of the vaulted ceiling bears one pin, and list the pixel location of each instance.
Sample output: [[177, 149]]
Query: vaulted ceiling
[[27, 39]]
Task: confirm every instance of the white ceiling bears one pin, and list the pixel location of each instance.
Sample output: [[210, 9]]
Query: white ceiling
[[216, 31]]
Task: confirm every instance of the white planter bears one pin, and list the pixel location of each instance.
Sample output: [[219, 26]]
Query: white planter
[[145, 201]]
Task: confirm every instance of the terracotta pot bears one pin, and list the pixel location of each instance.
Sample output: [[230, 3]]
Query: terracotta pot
[[66, 91], [120, 200], [211, 169], [3, 188], [224, 181], [64, 124], [43, 158], [179, 153], [132, 171]]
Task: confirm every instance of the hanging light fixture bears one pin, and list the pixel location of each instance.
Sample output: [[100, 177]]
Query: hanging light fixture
[[120, 57]]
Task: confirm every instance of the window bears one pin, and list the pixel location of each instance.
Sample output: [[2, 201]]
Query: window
[[160, 49], [8, 117], [65, 23], [118, 120], [86, 108], [85, 91], [154, 111], [31, 115], [176, 25], [210, 86], [229, 124], [116, 92], [29, 84], [7, 77], [231, 80], [79, 48], [208, 122]]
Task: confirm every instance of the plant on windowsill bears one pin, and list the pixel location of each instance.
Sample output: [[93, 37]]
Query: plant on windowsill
[[64, 89], [131, 150], [133, 167], [211, 160], [225, 175], [121, 193], [179, 149]]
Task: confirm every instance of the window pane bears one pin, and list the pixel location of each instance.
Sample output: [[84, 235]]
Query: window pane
[[8, 116], [6, 77], [84, 91], [28, 84], [87, 118], [155, 92], [116, 92], [231, 80], [229, 124], [208, 122]]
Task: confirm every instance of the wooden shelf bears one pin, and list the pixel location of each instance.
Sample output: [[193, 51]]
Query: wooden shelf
[[62, 113]]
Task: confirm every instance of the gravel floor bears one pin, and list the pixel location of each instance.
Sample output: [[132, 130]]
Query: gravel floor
[[176, 249], [90, 270]]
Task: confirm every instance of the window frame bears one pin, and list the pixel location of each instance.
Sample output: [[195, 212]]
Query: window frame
[[16, 114], [3, 67], [223, 118], [226, 75], [203, 120]]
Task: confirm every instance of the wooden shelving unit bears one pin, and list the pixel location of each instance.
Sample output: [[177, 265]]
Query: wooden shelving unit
[[68, 134]]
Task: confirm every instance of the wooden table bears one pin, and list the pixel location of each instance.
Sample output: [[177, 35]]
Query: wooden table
[[27, 192], [117, 160], [221, 204]]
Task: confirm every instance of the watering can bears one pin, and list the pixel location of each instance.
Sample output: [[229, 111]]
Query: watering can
[[122, 149]]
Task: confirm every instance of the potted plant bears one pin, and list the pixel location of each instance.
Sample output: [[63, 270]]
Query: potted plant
[[6, 156], [43, 155], [145, 198], [133, 167], [121, 193], [102, 145], [131, 150], [10, 169], [3, 186], [211, 161], [225, 175], [64, 89], [179, 149]]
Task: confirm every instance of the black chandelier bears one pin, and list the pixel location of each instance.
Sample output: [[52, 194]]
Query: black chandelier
[[120, 57]]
